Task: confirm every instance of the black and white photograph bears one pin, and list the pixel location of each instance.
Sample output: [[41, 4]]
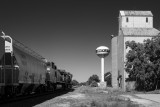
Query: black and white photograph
[[79, 53]]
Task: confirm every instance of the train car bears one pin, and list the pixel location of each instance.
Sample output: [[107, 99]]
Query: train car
[[63, 78], [57, 78], [21, 69], [68, 80], [51, 76]]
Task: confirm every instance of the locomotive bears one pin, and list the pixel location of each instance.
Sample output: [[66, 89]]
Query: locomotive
[[23, 71]]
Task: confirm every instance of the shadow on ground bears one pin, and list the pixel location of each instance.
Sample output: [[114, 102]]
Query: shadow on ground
[[36, 100]]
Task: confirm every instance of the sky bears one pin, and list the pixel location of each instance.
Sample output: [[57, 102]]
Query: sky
[[68, 32]]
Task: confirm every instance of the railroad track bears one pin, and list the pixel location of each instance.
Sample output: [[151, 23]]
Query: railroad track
[[30, 98], [22, 97]]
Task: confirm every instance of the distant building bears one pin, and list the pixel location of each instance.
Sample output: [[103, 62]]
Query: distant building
[[133, 25]]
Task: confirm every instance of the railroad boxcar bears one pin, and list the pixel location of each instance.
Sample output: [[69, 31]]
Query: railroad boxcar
[[21, 69]]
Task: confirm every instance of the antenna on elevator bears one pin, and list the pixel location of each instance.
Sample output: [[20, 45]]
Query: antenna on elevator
[[3, 33]]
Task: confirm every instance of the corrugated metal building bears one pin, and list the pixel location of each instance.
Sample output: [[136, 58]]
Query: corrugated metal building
[[133, 25]]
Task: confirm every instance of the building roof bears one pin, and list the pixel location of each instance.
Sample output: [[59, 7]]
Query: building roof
[[28, 50], [135, 13], [140, 31]]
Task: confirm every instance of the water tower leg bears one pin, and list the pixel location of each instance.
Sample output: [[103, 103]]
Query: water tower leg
[[102, 69], [102, 83]]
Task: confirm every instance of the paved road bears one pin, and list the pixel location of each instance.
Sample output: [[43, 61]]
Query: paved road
[[152, 97]]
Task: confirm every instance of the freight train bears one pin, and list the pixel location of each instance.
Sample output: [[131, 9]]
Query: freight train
[[23, 71]]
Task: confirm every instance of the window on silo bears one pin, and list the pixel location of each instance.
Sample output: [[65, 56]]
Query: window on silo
[[147, 19], [127, 20]]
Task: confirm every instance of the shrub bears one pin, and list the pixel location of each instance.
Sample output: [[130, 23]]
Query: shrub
[[94, 84]]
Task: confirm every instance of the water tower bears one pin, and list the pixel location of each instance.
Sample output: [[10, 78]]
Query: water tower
[[102, 52]]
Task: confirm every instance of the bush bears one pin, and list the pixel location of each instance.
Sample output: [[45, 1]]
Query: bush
[[93, 78], [130, 85], [94, 84]]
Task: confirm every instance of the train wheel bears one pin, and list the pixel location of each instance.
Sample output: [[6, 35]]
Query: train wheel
[[9, 91], [55, 87], [43, 88]]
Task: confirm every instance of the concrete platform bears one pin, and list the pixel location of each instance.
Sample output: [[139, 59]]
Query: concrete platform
[[147, 100], [152, 97], [103, 85]]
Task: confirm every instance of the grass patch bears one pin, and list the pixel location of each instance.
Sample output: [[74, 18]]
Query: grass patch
[[97, 97], [93, 97], [95, 103]]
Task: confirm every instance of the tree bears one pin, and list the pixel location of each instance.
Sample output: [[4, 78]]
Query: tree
[[143, 63], [108, 78], [75, 82], [93, 78], [94, 84], [82, 83]]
